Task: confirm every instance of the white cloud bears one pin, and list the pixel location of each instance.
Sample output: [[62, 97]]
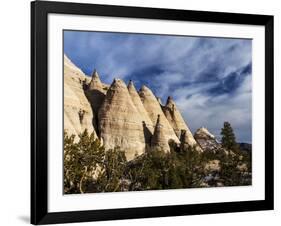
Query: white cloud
[[188, 67]]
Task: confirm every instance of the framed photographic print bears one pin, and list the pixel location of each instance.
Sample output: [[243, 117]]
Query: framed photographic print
[[144, 112]]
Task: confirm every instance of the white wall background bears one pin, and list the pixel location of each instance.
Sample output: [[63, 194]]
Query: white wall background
[[15, 113]]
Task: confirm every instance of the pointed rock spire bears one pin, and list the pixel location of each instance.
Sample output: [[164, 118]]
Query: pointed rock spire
[[170, 101], [120, 123], [159, 140], [95, 83], [154, 109], [95, 93], [176, 120], [95, 74], [185, 140], [131, 85], [138, 103]]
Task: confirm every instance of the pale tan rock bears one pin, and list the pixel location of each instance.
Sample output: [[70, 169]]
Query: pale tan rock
[[159, 140], [185, 142], [204, 133], [95, 92], [177, 122], [154, 109], [147, 123], [206, 140], [159, 100], [120, 123], [78, 114]]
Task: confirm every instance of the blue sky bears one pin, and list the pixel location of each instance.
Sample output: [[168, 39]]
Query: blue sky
[[209, 78]]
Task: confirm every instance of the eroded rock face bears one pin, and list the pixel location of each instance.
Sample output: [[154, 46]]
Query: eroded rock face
[[78, 114], [122, 117], [148, 126], [154, 109], [120, 123], [95, 92], [159, 140], [179, 125], [206, 140]]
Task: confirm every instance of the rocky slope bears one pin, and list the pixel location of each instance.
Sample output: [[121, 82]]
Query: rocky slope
[[206, 140], [78, 114]]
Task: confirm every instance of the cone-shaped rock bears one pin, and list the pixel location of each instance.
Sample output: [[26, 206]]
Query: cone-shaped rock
[[120, 123], [78, 114], [95, 82], [154, 109], [177, 122], [206, 140], [185, 142], [148, 125], [159, 140], [95, 93]]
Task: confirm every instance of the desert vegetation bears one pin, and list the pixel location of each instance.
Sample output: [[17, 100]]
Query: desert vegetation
[[89, 168]]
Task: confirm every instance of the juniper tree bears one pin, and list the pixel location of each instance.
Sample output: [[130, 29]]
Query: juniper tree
[[81, 160], [228, 137]]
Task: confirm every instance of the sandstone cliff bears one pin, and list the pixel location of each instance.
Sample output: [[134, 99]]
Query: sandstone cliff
[[120, 123], [78, 114]]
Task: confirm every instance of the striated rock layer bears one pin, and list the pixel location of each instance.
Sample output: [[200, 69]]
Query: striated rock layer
[[120, 123], [122, 117], [176, 120], [153, 109], [78, 114], [148, 126], [206, 140], [159, 140]]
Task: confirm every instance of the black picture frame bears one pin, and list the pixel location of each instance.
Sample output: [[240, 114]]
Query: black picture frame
[[39, 112]]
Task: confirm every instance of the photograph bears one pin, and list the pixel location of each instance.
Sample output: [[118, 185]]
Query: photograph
[[155, 111]]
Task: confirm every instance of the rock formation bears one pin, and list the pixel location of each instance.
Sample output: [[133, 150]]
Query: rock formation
[[120, 123], [95, 92], [154, 109], [147, 123], [177, 122], [121, 117], [206, 140], [78, 114], [159, 140], [159, 100]]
